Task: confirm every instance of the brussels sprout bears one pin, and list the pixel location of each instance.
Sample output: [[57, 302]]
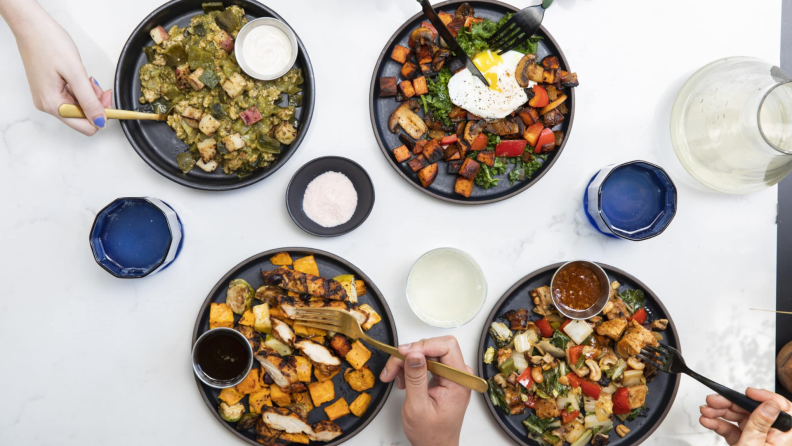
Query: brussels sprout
[[240, 296], [231, 414], [500, 334], [248, 421]]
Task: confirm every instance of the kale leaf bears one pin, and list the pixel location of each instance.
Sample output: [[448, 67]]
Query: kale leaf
[[634, 299], [497, 396], [438, 101]]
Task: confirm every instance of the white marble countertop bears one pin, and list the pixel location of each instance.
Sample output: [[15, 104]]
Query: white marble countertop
[[87, 358]]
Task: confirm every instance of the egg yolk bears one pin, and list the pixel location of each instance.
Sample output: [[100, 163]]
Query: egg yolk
[[485, 62]]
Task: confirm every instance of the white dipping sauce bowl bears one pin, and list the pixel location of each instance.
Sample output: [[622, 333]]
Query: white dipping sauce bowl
[[240, 43]]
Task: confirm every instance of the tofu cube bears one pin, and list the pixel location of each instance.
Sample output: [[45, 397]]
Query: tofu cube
[[194, 80], [159, 35], [192, 113], [208, 125], [233, 142], [234, 85], [208, 149]]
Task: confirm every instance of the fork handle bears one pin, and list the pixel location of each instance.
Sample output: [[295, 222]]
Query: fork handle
[[75, 111], [782, 423], [458, 376]]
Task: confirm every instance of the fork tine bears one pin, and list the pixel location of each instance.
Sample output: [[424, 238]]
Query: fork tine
[[656, 350], [500, 36], [318, 313], [518, 40], [499, 33], [317, 319], [656, 363], [322, 326]]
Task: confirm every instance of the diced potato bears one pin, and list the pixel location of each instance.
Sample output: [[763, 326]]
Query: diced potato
[[192, 113], [402, 154], [195, 81], [281, 259], [407, 89], [220, 315], [419, 84], [261, 319], [305, 398], [373, 319], [303, 369], [360, 405], [321, 392], [279, 397], [231, 396], [210, 167], [358, 356], [307, 265], [359, 380], [321, 377], [234, 142], [159, 35], [234, 85], [360, 286], [247, 318], [208, 149], [401, 54], [250, 384], [259, 399], [337, 409], [208, 125], [348, 280], [294, 438]]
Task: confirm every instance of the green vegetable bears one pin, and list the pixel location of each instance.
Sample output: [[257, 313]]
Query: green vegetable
[[231, 414], [248, 421], [278, 346], [209, 78], [485, 179], [497, 396], [201, 58], [536, 425], [550, 385], [508, 367], [500, 334], [227, 20], [530, 46], [212, 6], [584, 439], [489, 355], [616, 372], [633, 299], [438, 101], [217, 111], [268, 144], [581, 362], [239, 296], [492, 141], [175, 55], [199, 30], [474, 40], [559, 339], [550, 438], [185, 161], [639, 412], [149, 52], [295, 100]]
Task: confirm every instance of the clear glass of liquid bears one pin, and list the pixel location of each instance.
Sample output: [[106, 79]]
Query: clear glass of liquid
[[446, 288], [731, 125]]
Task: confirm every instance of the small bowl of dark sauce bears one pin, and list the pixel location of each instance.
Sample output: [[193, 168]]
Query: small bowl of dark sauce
[[580, 289], [222, 358]]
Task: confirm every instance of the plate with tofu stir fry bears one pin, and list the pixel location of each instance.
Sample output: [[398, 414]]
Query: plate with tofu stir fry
[[224, 129], [452, 136], [556, 381], [307, 386]]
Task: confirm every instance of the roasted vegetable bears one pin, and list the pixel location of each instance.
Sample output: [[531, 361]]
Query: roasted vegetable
[[454, 166], [359, 380], [420, 37], [501, 334], [233, 413], [406, 87], [463, 186], [528, 71], [404, 116], [401, 54], [409, 70], [473, 129], [418, 163], [387, 86], [401, 153], [469, 169], [360, 405], [239, 296], [428, 174], [337, 409]]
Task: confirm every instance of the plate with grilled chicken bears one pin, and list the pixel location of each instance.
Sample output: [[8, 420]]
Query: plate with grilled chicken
[[451, 135], [560, 381], [307, 386]]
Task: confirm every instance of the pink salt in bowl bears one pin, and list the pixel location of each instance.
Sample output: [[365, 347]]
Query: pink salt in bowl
[[330, 196]]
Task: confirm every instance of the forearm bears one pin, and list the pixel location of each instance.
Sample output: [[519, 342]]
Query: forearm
[[23, 16]]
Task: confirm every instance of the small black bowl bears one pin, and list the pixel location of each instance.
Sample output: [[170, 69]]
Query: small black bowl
[[357, 175]]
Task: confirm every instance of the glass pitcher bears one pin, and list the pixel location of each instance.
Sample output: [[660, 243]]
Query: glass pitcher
[[731, 125]]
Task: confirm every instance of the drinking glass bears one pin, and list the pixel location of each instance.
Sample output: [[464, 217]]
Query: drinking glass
[[731, 125]]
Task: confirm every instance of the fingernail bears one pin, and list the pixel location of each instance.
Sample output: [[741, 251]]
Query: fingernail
[[770, 410], [383, 374], [404, 346], [415, 362], [95, 82], [99, 121], [399, 382]]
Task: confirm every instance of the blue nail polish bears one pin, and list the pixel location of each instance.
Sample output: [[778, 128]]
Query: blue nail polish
[[97, 83], [99, 122]]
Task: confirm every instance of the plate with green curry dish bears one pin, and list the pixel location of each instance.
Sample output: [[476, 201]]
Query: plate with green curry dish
[[225, 130]]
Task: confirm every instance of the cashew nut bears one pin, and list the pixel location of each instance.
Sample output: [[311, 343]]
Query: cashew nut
[[608, 361], [635, 363], [608, 307], [622, 430], [536, 360], [536, 374], [595, 373], [615, 285], [563, 380]]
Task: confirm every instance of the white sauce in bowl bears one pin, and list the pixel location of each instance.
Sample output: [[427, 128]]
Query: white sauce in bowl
[[267, 50]]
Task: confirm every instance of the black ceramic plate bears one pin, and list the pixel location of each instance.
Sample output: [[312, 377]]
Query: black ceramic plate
[[356, 174], [329, 266], [381, 109], [154, 141], [662, 390]]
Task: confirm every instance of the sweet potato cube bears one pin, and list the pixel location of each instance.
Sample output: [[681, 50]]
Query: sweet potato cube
[[550, 63], [548, 77], [454, 166], [402, 154], [463, 186], [250, 384], [303, 368], [306, 265], [452, 153], [360, 405], [279, 397], [294, 438], [409, 70], [321, 392], [259, 399], [480, 143], [220, 315], [231, 396], [407, 89], [419, 146], [532, 133], [387, 86], [340, 344], [428, 174], [247, 318], [337, 409], [418, 163], [360, 286], [445, 17], [321, 377], [469, 169], [529, 116], [159, 35], [433, 151], [359, 380], [401, 54], [305, 398], [281, 259], [419, 84], [486, 157], [358, 356], [425, 55], [374, 317]]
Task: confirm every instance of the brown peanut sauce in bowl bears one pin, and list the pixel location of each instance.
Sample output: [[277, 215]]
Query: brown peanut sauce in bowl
[[576, 287]]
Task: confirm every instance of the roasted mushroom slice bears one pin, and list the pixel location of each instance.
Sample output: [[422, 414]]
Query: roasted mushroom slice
[[568, 80], [527, 71], [464, 11], [319, 355], [503, 127], [325, 431], [283, 332], [432, 123], [404, 116], [552, 118], [421, 37], [440, 57], [473, 129]]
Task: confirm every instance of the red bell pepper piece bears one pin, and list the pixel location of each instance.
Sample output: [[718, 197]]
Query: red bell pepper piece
[[621, 401], [545, 328], [480, 143], [567, 417], [566, 322], [525, 378], [639, 316], [591, 389], [250, 116], [540, 98], [574, 380], [426, 24], [574, 353], [448, 140], [546, 137], [530, 402], [510, 147]]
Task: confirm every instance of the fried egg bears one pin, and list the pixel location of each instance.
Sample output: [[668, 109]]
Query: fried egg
[[503, 95]]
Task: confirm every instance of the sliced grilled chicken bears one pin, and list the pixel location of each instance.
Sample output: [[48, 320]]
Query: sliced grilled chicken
[[289, 305], [321, 357], [360, 315], [305, 283], [283, 419], [282, 371], [325, 431], [269, 294], [267, 436], [283, 332], [251, 335]]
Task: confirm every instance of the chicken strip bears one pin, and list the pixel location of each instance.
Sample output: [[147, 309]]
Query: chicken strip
[[282, 371], [283, 332], [518, 319], [251, 335], [305, 283], [612, 328], [634, 340], [543, 300], [319, 355], [283, 419], [325, 431], [267, 436]]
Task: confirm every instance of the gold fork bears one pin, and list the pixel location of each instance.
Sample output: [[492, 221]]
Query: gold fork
[[340, 321], [74, 111]]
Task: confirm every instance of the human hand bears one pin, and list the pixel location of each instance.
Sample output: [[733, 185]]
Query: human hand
[[430, 416], [752, 429], [54, 70]]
